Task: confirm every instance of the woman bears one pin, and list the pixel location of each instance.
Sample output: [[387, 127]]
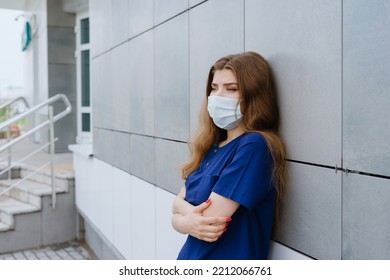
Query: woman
[[235, 176]]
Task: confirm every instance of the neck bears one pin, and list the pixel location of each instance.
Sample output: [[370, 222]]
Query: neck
[[232, 134]]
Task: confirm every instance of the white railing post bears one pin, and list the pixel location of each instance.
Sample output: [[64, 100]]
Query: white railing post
[[7, 116], [52, 155], [47, 123], [7, 107]]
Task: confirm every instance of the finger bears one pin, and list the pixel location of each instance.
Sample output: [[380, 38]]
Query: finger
[[210, 239], [203, 206], [219, 224], [213, 231], [211, 236], [216, 220]]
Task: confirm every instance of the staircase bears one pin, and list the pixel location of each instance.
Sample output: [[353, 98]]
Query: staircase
[[27, 219], [31, 215]]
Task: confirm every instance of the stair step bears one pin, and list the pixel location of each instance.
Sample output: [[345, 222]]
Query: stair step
[[15, 171], [32, 187], [28, 191], [62, 170], [62, 181], [10, 207], [27, 219], [14, 206], [4, 227]]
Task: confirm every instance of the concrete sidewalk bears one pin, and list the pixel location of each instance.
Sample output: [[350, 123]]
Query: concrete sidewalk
[[65, 251]]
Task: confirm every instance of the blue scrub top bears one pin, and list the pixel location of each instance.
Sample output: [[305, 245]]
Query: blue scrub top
[[241, 171]]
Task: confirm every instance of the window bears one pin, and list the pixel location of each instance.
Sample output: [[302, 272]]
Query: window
[[85, 93], [85, 122], [84, 112], [84, 30]]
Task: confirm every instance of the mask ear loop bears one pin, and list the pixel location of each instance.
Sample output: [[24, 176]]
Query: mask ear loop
[[238, 106]]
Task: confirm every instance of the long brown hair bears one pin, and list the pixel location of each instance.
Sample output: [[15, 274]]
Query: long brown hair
[[260, 111]]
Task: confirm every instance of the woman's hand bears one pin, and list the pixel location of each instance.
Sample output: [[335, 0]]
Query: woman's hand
[[205, 228], [189, 219]]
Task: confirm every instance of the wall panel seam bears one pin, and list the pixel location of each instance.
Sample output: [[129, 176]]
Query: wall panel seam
[[147, 30]]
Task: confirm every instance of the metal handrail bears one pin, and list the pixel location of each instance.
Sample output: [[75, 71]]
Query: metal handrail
[[9, 103], [7, 189], [7, 106], [50, 123], [57, 117], [25, 158]]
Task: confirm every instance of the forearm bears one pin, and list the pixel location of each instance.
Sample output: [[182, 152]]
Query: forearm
[[181, 206], [178, 223], [195, 224]]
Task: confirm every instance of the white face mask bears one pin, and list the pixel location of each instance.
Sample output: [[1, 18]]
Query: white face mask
[[224, 111]]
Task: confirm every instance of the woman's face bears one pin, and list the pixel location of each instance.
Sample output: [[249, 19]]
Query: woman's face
[[225, 84]]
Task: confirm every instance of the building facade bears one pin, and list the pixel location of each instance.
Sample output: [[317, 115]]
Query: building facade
[[149, 61]]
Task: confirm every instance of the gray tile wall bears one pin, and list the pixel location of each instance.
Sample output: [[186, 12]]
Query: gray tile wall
[[311, 222], [143, 157], [169, 156], [166, 9], [366, 150], [141, 77], [102, 91], [302, 42], [366, 86], [140, 87], [62, 70], [120, 21], [140, 16], [171, 79], [331, 63], [119, 96], [209, 42], [366, 217]]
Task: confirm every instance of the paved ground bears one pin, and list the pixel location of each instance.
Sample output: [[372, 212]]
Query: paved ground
[[65, 251]]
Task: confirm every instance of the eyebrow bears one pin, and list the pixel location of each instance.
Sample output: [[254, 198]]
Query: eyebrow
[[226, 84]]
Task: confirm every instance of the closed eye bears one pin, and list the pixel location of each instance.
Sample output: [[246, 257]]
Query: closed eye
[[232, 89]]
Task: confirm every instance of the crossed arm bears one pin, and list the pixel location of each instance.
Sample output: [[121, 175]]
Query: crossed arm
[[207, 221]]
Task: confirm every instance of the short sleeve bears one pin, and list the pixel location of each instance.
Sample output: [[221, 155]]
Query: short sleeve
[[247, 178]]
